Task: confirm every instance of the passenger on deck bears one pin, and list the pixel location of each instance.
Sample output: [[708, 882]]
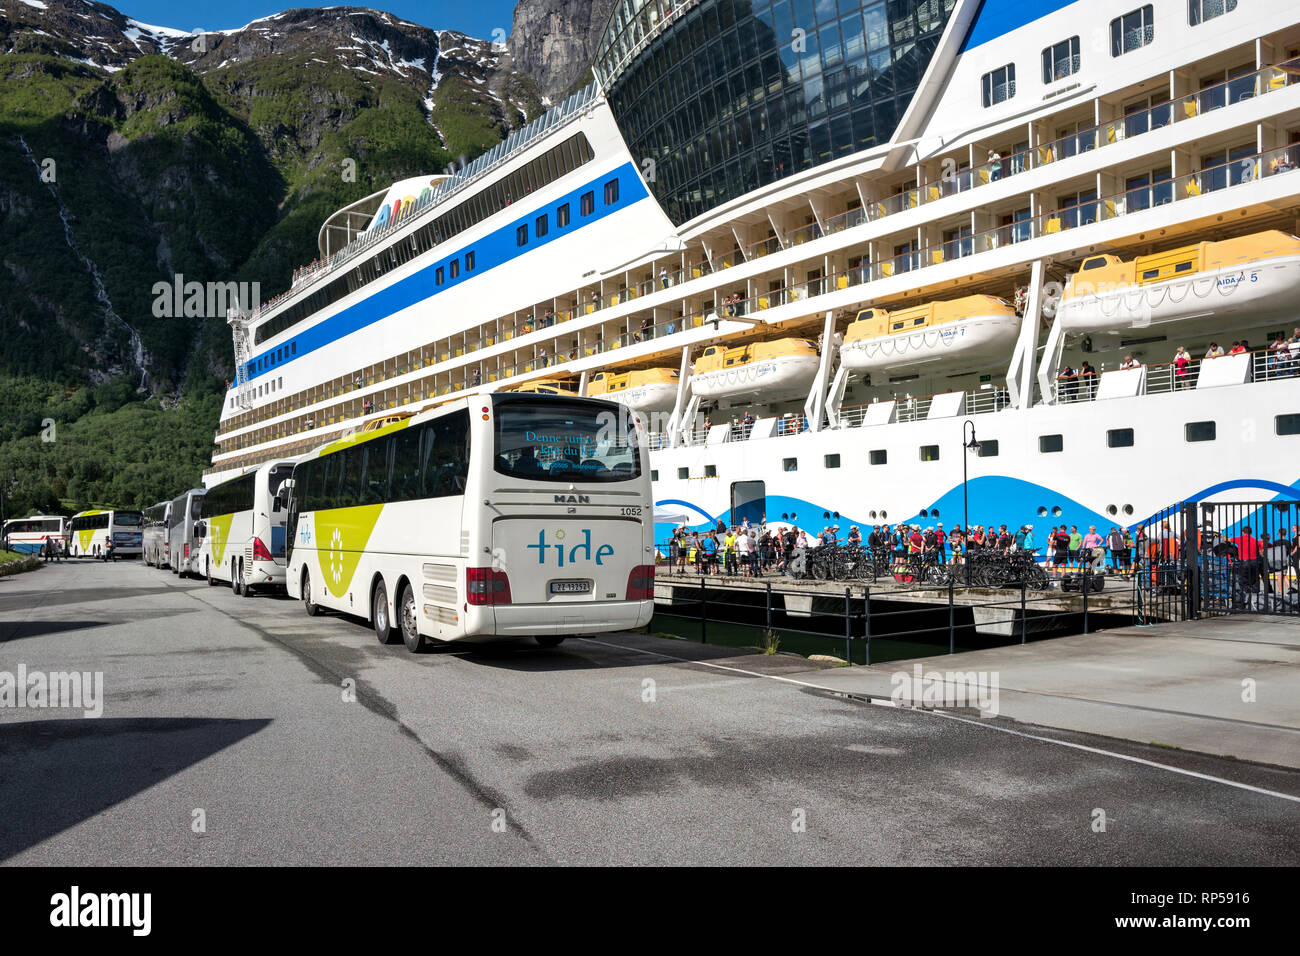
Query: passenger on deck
[[1215, 350], [1069, 379], [1130, 362], [1182, 368], [1088, 379]]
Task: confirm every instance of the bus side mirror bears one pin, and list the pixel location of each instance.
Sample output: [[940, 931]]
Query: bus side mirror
[[201, 530]]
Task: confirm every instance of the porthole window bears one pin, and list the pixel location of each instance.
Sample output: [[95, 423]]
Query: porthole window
[[1199, 431], [832, 461], [654, 475], [790, 464], [1112, 510], [1042, 511], [929, 453], [1287, 424], [683, 473], [1050, 443], [988, 448], [878, 456], [1119, 438], [1128, 509], [710, 471], [1056, 511]]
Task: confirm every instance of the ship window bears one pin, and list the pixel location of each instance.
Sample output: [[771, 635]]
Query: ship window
[[439, 276], [469, 261], [1198, 11], [897, 325], [1183, 267], [1060, 60], [1151, 273], [710, 471], [929, 453], [587, 204], [1287, 424], [1199, 431], [1097, 263], [683, 473], [611, 192], [878, 456], [542, 225], [521, 235], [562, 216], [789, 464], [293, 347], [989, 448], [832, 461], [1050, 443], [1119, 438], [999, 85], [920, 321], [454, 266], [1132, 31]]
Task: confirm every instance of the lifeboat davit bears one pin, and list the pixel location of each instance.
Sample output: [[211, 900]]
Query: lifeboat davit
[[972, 327], [770, 370], [1256, 274], [643, 390]]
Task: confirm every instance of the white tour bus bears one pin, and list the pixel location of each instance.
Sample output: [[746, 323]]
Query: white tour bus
[[487, 518], [28, 535], [182, 545], [90, 532], [241, 530], [153, 540]]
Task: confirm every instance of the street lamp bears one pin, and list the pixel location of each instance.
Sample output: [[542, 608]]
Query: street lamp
[[970, 445]]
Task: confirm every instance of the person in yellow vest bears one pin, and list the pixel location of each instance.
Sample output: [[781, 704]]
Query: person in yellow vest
[[729, 551]]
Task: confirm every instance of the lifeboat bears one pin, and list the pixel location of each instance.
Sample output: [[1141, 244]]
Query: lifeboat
[[785, 367], [544, 386], [972, 327], [382, 421], [1255, 275], [643, 390]]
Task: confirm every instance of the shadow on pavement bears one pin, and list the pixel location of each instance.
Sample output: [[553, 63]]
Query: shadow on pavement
[[54, 774]]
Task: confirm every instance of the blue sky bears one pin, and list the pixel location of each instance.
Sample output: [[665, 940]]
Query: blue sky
[[478, 18]]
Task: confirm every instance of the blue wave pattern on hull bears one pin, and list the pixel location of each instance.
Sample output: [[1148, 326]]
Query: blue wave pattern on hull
[[993, 499]]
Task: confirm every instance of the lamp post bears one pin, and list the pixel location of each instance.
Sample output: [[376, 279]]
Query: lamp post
[[968, 446]]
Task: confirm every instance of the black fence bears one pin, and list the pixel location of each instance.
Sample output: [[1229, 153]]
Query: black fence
[[1207, 559], [866, 624]]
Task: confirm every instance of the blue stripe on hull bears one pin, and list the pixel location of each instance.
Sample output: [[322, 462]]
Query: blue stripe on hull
[[491, 251]]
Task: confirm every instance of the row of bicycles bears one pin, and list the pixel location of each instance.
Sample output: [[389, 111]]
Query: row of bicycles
[[985, 569]]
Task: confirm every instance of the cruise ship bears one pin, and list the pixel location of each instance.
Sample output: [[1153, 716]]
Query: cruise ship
[[924, 261]]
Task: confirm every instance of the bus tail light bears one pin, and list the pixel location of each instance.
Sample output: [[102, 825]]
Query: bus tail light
[[641, 583], [487, 586], [187, 551], [260, 553]]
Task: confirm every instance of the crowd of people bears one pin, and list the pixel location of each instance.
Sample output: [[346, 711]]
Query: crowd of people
[[752, 550]]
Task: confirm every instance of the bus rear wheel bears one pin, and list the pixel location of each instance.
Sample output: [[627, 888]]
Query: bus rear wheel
[[550, 640], [311, 608], [245, 590], [207, 567], [384, 629], [415, 642]]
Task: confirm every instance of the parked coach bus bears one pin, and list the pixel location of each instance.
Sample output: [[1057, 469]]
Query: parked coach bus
[[182, 545], [154, 537], [487, 518], [90, 532], [28, 535], [241, 530]]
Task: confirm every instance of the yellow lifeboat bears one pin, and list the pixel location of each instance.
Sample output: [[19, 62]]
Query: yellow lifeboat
[[783, 367], [381, 421], [644, 390], [1255, 275], [972, 327], [544, 386]]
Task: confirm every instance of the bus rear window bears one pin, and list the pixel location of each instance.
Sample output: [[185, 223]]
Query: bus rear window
[[128, 519], [565, 440]]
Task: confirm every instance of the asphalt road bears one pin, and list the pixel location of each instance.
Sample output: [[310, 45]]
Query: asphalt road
[[226, 737]]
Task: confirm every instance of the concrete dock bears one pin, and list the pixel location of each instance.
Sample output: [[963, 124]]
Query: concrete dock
[[1226, 686]]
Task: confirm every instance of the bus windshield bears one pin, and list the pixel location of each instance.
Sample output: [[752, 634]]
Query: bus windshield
[[565, 441]]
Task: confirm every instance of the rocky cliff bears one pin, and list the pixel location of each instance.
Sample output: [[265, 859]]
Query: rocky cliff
[[553, 41]]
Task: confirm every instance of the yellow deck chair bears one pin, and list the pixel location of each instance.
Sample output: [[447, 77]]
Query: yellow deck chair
[[1053, 225], [1190, 108], [1193, 187], [841, 282]]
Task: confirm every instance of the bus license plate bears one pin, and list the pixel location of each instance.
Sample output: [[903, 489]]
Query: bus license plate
[[570, 587]]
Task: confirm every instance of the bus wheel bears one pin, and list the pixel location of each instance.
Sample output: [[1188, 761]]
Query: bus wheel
[[307, 604], [384, 629], [244, 589], [549, 640], [415, 642], [234, 577], [207, 568]]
